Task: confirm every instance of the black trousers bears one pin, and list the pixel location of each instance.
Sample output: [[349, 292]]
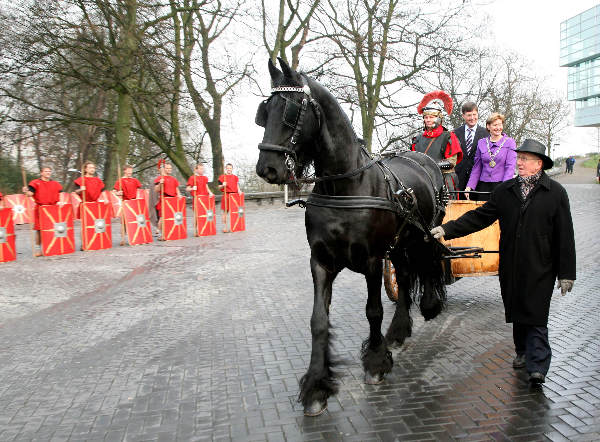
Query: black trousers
[[532, 341]]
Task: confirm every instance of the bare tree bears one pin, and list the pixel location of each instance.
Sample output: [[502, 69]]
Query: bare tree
[[290, 28], [378, 50], [468, 75], [96, 44], [209, 66], [501, 83], [550, 121]]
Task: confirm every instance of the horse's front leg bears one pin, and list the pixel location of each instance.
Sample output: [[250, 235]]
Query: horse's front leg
[[377, 359], [319, 381]]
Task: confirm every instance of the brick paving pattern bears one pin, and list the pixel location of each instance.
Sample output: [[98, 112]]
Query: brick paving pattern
[[206, 338]]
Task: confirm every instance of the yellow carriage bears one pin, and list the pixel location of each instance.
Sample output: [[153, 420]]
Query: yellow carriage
[[472, 255]]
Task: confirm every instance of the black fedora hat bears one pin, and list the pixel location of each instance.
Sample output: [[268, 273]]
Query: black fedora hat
[[538, 149]]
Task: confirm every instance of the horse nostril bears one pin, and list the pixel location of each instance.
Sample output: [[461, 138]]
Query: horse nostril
[[270, 174], [265, 172]]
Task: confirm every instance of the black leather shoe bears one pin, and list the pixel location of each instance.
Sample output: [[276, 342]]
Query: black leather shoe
[[537, 378], [519, 361]]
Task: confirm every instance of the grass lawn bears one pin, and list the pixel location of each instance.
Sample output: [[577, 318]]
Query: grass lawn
[[592, 161]]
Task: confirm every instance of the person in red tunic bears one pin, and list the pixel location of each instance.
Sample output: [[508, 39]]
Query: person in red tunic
[[436, 141], [127, 186], [228, 183], [198, 183], [1, 201], [44, 192], [170, 189], [90, 184]]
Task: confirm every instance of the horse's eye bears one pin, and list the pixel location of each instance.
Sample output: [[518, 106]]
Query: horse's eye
[[261, 114], [291, 113]]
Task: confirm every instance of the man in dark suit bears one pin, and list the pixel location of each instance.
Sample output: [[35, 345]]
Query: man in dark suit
[[468, 135]]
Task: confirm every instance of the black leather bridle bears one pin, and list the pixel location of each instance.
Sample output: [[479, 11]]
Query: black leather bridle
[[293, 116]]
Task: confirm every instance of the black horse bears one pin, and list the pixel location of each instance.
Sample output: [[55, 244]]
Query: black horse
[[361, 209]]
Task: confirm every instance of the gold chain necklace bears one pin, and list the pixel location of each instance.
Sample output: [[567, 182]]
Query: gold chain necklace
[[493, 155]]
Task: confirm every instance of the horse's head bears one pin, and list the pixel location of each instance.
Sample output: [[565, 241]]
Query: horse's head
[[291, 120]]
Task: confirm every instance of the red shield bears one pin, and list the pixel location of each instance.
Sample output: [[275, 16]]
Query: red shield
[[22, 208], [114, 201], [64, 198], [137, 222], [7, 236], [175, 226], [238, 212], [144, 194], [106, 197], [206, 220], [56, 229], [75, 202], [95, 226]]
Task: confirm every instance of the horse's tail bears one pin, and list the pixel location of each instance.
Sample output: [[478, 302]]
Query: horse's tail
[[427, 279]]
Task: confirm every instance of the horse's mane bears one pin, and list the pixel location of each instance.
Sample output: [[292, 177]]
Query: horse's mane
[[332, 100], [323, 97]]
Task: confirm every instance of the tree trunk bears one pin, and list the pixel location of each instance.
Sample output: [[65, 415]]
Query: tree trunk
[[124, 102], [122, 132], [214, 133]]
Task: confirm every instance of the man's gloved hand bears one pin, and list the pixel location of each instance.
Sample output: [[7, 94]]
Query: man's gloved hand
[[565, 285], [437, 232]]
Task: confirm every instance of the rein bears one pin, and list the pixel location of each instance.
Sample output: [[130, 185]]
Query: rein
[[401, 202]]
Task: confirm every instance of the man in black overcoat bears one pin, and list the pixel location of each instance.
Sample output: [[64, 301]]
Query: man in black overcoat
[[537, 247], [468, 136]]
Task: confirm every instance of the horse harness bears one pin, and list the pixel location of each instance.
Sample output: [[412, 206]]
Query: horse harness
[[402, 201]]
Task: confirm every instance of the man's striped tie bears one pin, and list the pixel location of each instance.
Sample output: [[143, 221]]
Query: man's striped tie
[[469, 140]]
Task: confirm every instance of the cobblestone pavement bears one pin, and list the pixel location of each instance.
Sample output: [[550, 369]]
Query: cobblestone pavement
[[206, 338]]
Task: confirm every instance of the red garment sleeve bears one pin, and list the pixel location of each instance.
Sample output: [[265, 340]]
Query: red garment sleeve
[[453, 148]]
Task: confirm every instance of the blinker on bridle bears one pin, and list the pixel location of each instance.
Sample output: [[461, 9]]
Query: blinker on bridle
[[293, 117]]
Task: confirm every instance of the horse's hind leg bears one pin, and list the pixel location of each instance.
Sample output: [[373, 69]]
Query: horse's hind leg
[[401, 326], [377, 359], [319, 381]]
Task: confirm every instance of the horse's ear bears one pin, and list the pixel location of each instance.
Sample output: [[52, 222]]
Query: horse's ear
[[276, 74], [287, 71]]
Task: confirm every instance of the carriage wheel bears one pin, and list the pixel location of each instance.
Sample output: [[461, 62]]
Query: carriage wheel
[[389, 280]]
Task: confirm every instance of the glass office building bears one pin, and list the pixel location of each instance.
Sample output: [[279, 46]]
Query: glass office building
[[580, 52]]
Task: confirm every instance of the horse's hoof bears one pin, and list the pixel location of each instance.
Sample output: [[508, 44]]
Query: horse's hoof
[[315, 409], [373, 379]]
